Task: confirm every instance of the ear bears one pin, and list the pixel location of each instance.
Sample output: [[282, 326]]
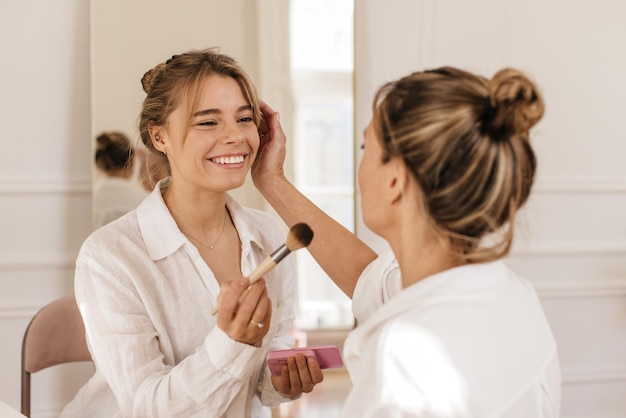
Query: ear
[[157, 135], [397, 180]]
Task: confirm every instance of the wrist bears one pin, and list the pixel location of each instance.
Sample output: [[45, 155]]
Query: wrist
[[270, 182]]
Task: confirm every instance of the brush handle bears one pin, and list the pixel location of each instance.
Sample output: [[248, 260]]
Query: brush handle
[[262, 269]]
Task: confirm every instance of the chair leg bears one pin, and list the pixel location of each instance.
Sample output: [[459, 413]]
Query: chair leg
[[25, 393]]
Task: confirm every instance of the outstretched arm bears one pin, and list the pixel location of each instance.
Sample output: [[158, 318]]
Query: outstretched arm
[[340, 253]]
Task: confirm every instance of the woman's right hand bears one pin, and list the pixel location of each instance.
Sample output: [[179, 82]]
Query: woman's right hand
[[245, 311]]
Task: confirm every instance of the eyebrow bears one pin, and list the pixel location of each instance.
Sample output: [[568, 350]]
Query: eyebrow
[[213, 111]]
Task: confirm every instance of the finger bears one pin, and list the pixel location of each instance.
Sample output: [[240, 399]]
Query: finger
[[268, 312], [228, 298], [315, 370], [263, 304], [250, 302], [263, 129], [266, 109], [294, 377], [266, 322], [260, 314], [246, 290], [303, 371], [275, 121], [266, 115], [285, 386]]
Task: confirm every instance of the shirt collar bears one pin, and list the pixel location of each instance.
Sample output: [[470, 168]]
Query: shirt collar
[[162, 236]]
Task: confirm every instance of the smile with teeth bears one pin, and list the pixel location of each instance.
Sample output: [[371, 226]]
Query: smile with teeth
[[236, 159]]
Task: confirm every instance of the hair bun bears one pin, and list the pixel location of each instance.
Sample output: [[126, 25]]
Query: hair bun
[[148, 77], [103, 141], [516, 104]]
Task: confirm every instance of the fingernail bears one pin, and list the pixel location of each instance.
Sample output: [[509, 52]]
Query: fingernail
[[244, 282], [277, 117]]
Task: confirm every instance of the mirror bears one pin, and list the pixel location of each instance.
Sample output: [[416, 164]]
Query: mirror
[[130, 37]]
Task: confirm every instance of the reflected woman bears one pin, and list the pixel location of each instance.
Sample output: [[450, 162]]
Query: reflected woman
[[115, 192]]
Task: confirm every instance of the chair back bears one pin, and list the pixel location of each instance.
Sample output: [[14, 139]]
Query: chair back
[[55, 335]]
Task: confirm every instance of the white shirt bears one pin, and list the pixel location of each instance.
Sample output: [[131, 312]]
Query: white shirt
[[145, 295], [114, 197], [472, 341]]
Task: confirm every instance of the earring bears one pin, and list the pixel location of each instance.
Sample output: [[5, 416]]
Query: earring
[[164, 152], [157, 137]]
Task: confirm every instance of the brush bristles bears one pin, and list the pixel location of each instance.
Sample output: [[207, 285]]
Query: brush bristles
[[300, 235]]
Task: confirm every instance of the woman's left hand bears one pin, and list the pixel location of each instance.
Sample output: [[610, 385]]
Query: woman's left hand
[[299, 375]]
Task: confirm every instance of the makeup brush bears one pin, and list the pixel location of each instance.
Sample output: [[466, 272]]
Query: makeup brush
[[299, 236]]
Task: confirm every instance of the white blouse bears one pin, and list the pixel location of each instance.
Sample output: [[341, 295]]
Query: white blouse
[[472, 341], [145, 295]]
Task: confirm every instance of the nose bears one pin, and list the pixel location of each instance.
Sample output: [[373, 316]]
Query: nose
[[233, 133]]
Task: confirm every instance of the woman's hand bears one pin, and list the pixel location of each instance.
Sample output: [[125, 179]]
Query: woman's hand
[[245, 310], [299, 375], [271, 156]]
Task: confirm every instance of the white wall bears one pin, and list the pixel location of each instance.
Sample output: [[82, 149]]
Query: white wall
[[45, 183], [572, 242]]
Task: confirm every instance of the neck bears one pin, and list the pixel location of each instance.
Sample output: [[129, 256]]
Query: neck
[[198, 212], [121, 173], [417, 247], [423, 261]]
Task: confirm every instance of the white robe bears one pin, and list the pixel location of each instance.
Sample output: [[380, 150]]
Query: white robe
[[472, 341]]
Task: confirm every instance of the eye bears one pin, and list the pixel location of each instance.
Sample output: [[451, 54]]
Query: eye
[[246, 119], [207, 123]]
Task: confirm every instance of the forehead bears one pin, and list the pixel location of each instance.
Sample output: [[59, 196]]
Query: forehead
[[219, 89]]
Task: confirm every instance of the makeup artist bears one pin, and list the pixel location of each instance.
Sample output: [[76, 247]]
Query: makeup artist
[[146, 283], [444, 328]]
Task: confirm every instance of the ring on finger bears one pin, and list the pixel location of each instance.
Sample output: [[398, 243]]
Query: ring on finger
[[258, 324]]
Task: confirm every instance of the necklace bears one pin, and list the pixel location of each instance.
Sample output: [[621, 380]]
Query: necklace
[[212, 246]]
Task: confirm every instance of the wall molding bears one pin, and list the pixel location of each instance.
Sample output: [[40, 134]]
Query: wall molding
[[568, 248], [580, 185], [598, 375], [44, 187], [606, 288], [10, 313], [36, 261]]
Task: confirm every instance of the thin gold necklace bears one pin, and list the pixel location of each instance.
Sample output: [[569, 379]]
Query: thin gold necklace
[[212, 246]]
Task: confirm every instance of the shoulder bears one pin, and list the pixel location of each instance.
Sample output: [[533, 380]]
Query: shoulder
[[379, 282], [114, 238]]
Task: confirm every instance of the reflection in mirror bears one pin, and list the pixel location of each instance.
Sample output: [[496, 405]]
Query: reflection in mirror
[[129, 38], [116, 189]]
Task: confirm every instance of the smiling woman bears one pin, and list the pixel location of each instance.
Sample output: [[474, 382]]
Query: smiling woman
[[186, 246]]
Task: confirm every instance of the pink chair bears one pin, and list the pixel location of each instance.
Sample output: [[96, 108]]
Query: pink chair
[[55, 335]]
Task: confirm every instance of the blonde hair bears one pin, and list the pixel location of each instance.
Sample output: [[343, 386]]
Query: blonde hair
[[177, 82], [466, 141]]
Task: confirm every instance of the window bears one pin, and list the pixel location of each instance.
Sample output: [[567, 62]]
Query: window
[[321, 33]]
